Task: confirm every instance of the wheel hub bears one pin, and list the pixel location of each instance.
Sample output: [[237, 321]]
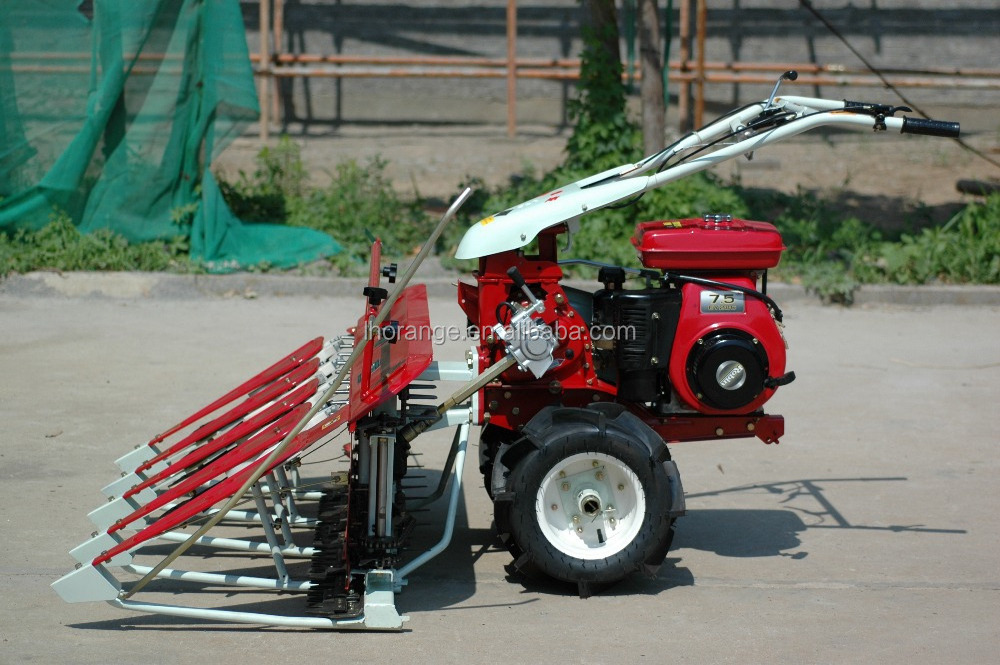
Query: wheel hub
[[589, 502], [590, 505]]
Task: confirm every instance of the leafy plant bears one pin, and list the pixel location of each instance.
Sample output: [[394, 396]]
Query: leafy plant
[[60, 246], [263, 196], [358, 206], [603, 134]]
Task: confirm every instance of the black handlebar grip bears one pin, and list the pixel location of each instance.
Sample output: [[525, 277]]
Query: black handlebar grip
[[515, 275], [948, 130]]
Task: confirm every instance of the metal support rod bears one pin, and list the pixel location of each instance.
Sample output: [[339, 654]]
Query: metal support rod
[[284, 487], [238, 545], [253, 517], [511, 68], [668, 35], [281, 513], [265, 69], [263, 467], [284, 583], [414, 429], [269, 535], [445, 472], [279, 36], [699, 85], [239, 617], [462, 436]]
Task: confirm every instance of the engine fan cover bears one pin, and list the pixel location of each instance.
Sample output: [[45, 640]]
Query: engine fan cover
[[726, 369], [726, 348]]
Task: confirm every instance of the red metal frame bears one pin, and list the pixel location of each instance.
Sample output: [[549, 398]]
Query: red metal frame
[[511, 402]]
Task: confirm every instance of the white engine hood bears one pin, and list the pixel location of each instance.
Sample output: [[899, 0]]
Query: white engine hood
[[518, 226]]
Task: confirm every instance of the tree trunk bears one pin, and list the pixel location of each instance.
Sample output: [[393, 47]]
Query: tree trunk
[[651, 90], [604, 22]]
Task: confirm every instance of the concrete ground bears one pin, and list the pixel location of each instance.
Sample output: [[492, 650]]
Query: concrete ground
[[870, 534]]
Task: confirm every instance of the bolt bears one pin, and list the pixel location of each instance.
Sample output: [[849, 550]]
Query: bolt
[[595, 397], [494, 405], [595, 463], [719, 431], [599, 475], [654, 361], [655, 317], [579, 529], [576, 518], [516, 410], [559, 299], [621, 487], [555, 506], [751, 427], [610, 507], [565, 487], [562, 474], [506, 394], [612, 521]]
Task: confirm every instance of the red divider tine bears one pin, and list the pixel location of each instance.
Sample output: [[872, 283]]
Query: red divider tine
[[246, 428], [280, 368], [223, 489], [225, 463], [252, 403]]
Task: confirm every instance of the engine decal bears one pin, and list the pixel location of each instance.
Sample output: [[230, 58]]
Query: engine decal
[[727, 302]]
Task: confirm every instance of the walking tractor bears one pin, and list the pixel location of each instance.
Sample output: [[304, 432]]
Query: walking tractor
[[576, 393]]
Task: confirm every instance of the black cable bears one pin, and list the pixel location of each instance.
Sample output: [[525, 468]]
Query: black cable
[[746, 290], [886, 82]]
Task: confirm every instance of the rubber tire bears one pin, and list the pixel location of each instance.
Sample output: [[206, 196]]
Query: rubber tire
[[516, 511]]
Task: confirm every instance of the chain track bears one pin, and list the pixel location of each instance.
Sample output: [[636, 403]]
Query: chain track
[[333, 593]]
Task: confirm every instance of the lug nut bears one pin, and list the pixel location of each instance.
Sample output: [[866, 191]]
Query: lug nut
[[555, 506], [599, 475], [564, 487], [621, 488]]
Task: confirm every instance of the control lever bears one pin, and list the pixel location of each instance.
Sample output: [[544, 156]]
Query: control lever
[[518, 279], [790, 75]]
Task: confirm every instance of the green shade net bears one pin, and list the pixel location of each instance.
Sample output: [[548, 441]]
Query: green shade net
[[111, 111]]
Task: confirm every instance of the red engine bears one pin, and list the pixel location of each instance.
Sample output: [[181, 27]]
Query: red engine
[[695, 352]]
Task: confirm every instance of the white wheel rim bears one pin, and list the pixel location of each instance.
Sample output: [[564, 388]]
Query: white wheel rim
[[590, 506]]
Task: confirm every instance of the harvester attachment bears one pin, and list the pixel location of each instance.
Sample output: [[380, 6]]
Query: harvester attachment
[[235, 466]]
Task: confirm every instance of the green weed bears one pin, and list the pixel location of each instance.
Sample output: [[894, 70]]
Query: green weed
[[60, 246]]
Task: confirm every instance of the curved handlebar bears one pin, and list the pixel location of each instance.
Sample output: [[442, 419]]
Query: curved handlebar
[[948, 130]]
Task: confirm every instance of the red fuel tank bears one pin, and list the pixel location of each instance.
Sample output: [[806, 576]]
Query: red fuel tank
[[714, 242]]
